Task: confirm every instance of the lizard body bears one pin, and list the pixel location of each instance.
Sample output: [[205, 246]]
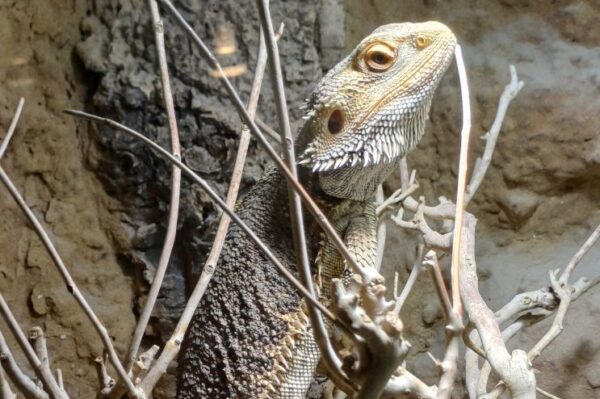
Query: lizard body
[[250, 337]]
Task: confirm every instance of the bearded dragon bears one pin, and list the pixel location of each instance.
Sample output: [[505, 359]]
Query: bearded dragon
[[250, 336]]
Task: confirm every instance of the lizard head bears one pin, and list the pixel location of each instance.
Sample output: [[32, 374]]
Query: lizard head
[[370, 109]]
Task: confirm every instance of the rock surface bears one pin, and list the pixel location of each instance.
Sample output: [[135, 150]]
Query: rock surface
[[47, 161], [540, 197]]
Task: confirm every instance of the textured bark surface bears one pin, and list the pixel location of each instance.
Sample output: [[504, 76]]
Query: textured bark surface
[[119, 47]]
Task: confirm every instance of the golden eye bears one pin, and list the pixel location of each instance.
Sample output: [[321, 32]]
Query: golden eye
[[379, 57], [422, 41]]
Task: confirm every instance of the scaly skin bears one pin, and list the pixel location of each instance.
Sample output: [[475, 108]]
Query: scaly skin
[[250, 337]]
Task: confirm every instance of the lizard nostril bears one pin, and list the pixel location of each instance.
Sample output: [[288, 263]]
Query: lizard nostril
[[335, 122]]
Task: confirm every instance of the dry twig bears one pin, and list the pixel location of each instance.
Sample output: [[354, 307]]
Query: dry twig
[[366, 273], [173, 345], [169, 240], [215, 197], [329, 357], [70, 283], [11, 128]]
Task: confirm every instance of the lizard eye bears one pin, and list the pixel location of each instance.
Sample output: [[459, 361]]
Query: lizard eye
[[379, 57], [335, 123]]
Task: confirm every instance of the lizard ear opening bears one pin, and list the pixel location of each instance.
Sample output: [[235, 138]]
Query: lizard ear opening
[[335, 123]]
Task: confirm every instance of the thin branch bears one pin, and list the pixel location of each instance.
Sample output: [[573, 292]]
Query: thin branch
[[462, 181], [589, 243], [396, 198], [367, 274], [71, 286], [169, 240], [404, 175], [404, 382], [11, 128], [329, 357], [381, 232], [215, 197], [59, 379], [21, 380], [5, 390], [431, 262], [173, 345], [42, 373], [432, 238], [38, 340], [491, 137], [267, 130], [546, 394], [525, 301], [412, 278], [449, 364], [107, 383], [564, 295], [514, 369]]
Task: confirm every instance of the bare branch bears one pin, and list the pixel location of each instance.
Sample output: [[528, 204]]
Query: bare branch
[[328, 354], [366, 273], [404, 382], [107, 383], [59, 379], [22, 381], [432, 238], [449, 364], [430, 261], [41, 372], [11, 128], [564, 295], [37, 338], [412, 278], [514, 369], [71, 285], [491, 137], [5, 390], [546, 394], [215, 197], [173, 345], [396, 198], [462, 181], [589, 243], [169, 240]]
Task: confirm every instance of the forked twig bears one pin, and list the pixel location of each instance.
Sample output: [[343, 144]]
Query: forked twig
[[173, 345], [215, 197], [21, 380], [329, 357], [589, 243], [169, 240], [491, 137], [366, 273], [70, 283], [43, 373]]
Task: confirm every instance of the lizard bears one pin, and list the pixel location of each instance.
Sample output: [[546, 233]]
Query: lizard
[[250, 336]]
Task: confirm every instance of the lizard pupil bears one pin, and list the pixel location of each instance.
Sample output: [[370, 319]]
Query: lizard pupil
[[335, 122], [380, 58]]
